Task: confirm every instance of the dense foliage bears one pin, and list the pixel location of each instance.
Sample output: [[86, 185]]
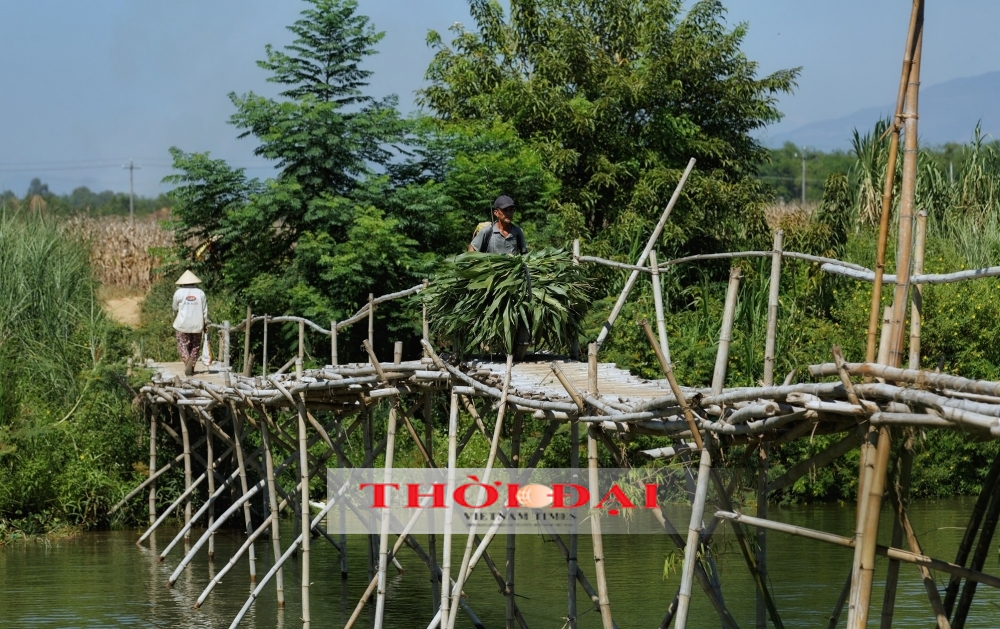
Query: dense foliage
[[68, 434], [82, 201], [616, 97]]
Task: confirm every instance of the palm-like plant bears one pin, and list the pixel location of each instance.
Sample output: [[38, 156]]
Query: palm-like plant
[[491, 302]]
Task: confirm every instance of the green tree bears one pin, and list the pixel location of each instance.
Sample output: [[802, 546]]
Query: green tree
[[616, 96]]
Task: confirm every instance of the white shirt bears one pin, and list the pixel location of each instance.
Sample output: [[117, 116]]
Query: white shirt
[[192, 310]]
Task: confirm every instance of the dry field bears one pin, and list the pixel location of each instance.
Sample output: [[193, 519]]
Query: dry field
[[123, 256]]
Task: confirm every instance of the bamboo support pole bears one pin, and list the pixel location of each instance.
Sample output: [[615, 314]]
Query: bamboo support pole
[[272, 502], [761, 555], [264, 349], [571, 557], [817, 461], [371, 320], [875, 488], [444, 609], [693, 540], [397, 352], [467, 558], [170, 509], [186, 445], [209, 456], [847, 542], [841, 601], [679, 397], [645, 254], [595, 515], [304, 492], [901, 491], [978, 559], [302, 343], [969, 537], [238, 432], [772, 316], [595, 530], [153, 420], [247, 365], [432, 537], [226, 344], [237, 504], [333, 343], [661, 324], [907, 201], [508, 581], [890, 175], [917, 301], [726, 333], [368, 438], [383, 553]]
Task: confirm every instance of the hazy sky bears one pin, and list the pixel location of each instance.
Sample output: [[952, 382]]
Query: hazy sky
[[85, 86]]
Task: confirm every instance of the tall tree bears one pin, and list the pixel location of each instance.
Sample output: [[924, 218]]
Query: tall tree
[[617, 96]]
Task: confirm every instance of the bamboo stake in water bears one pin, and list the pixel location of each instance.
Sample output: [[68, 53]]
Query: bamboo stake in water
[[965, 547], [515, 463], [726, 333], [210, 457], [449, 513], [645, 254], [304, 493], [272, 500], [431, 538], [693, 540], [890, 177], [467, 557], [383, 551], [772, 312], [762, 455], [595, 515], [238, 430], [661, 324], [153, 419], [186, 446], [574, 464]]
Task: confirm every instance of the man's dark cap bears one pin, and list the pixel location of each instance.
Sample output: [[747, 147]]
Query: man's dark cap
[[503, 201]]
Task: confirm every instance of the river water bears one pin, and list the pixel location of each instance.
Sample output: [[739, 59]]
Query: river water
[[104, 580]]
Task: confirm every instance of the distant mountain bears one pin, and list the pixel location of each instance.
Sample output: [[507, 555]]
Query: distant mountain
[[948, 113]]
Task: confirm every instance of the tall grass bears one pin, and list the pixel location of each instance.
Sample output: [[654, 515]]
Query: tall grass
[[67, 432]]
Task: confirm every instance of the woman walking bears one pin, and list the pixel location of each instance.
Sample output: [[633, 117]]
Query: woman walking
[[191, 310]]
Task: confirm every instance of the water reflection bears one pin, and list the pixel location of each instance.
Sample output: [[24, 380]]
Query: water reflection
[[105, 580]]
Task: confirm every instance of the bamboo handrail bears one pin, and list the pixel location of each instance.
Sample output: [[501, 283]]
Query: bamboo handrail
[[358, 316], [723, 256]]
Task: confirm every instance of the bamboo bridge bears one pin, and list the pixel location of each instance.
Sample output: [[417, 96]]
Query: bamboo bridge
[[869, 405], [304, 411]]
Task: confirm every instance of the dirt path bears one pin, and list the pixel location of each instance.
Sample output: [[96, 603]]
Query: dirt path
[[125, 309]]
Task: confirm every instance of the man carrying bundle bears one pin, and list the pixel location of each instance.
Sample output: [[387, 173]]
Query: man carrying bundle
[[191, 321], [502, 236]]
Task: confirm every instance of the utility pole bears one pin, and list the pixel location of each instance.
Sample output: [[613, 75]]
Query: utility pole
[[131, 190], [803, 152]]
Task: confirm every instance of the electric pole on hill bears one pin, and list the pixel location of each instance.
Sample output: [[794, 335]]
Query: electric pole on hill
[[131, 190]]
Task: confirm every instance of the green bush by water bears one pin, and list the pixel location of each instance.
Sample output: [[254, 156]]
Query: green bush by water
[[68, 433]]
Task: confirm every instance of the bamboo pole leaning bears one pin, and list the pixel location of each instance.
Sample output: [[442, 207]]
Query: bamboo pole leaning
[[640, 263], [467, 557], [890, 175], [726, 333]]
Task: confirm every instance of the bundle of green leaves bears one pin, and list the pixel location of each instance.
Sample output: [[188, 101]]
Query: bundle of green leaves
[[479, 301]]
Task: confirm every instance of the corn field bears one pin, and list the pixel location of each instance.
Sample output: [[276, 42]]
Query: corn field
[[122, 255]]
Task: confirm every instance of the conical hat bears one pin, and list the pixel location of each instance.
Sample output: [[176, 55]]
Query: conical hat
[[188, 278]]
